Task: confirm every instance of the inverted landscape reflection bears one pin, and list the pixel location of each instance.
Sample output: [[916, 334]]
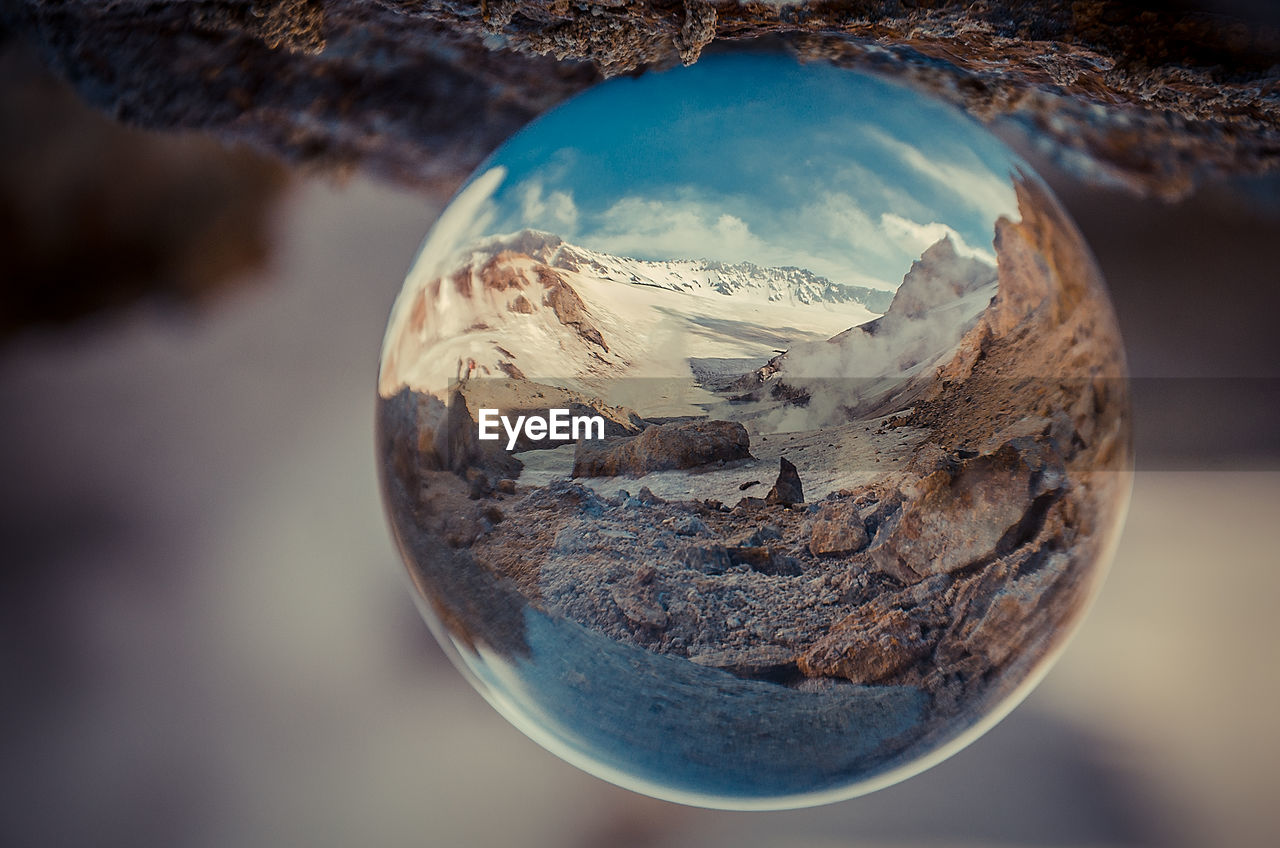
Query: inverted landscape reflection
[[864, 443]]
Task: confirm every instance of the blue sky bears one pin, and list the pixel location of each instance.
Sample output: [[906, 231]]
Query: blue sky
[[751, 157]]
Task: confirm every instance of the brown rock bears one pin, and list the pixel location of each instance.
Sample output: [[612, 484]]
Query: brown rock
[[765, 560], [569, 308], [1009, 611], [867, 649], [709, 559], [663, 447], [638, 608], [884, 637], [787, 490], [838, 530], [762, 661], [511, 370], [1144, 96], [980, 510]]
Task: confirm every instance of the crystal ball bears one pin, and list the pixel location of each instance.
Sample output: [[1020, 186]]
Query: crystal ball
[[754, 433]]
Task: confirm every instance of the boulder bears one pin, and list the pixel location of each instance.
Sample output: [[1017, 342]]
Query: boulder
[[689, 525], [663, 447], [709, 559], [970, 511], [865, 650], [639, 608], [838, 530], [882, 638]]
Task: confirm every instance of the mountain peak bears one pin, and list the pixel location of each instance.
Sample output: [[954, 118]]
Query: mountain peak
[[941, 275], [786, 284], [536, 244]]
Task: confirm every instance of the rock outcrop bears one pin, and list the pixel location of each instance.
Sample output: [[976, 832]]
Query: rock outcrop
[[1125, 94], [883, 365], [938, 278], [79, 238], [970, 513], [569, 308], [882, 638], [788, 488]]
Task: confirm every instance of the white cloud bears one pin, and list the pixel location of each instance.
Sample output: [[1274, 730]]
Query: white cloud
[[990, 193], [838, 217], [831, 236], [915, 238], [556, 212], [686, 229]]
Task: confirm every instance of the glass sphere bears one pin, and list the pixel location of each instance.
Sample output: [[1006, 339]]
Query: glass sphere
[[754, 433]]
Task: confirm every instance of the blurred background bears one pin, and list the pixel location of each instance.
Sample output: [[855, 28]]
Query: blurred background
[[206, 638]]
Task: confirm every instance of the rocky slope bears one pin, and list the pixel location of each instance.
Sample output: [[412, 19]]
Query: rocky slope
[[884, 364]]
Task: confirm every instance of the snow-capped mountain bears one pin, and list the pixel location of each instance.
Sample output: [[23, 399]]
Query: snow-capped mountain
[[530, 305], [699, 276]]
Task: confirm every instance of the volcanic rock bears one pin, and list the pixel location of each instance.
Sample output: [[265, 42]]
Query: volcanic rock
[[639, 609], [709, 559], [1006, 614], [569, 308], [765, 560], [689, 525], [865, 651]]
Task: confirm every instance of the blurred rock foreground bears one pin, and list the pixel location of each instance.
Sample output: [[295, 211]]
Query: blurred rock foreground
[[94, 215], [1147, 96]]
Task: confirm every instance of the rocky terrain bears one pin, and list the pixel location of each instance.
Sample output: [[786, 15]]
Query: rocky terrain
[[952, 568], [1148, 97]]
